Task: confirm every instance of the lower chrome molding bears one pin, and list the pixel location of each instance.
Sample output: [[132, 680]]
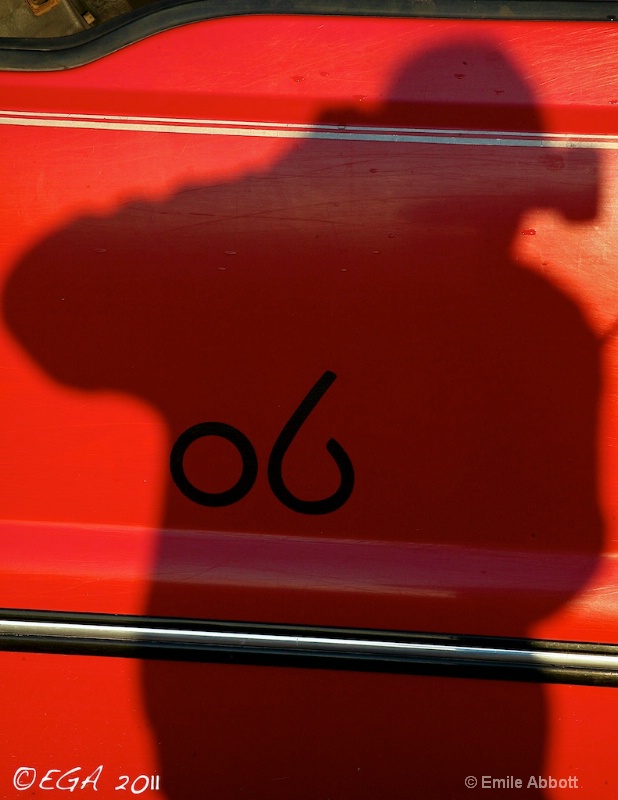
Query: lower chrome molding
[[302, 646]]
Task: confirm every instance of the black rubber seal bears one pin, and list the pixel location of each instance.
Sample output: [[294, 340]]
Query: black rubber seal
[[34, 55]]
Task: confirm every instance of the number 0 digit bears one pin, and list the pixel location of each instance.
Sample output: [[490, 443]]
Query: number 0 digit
[[240, 442]]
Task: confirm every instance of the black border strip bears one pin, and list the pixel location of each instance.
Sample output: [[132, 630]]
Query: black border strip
[[456, 655], [67, 52]]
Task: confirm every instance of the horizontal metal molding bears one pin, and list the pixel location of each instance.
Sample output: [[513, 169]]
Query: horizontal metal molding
[[452, 655], [81, 48], [272, 130]]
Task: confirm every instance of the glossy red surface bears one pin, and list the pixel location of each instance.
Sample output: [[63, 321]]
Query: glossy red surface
[[460, 283], [301, 733]]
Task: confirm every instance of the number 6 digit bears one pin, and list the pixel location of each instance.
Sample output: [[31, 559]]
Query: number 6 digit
[[339, 455]]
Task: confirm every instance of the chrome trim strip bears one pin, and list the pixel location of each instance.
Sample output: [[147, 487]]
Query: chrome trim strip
[[302, 645], [207, 127]]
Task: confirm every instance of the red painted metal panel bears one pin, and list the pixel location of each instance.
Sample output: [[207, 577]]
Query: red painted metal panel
[[197, 228], [281, 733]]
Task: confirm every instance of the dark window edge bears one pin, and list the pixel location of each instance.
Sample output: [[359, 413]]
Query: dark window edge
[[33, 55]]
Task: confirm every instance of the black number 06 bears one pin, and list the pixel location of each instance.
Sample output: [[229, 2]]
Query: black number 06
[[250, 462]]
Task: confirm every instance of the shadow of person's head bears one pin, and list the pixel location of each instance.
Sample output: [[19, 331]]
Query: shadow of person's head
[[461, 151]]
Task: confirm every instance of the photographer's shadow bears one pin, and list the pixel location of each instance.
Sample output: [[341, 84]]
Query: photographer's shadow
[[470, 385]]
